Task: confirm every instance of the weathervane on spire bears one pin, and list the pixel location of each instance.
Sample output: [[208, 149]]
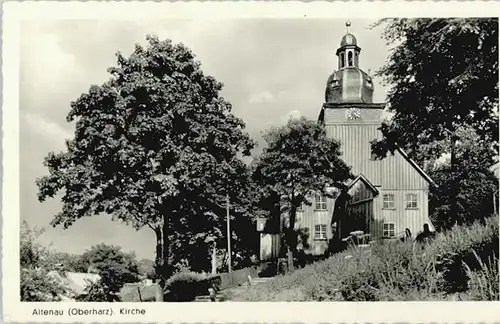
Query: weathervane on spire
[[348, 24]]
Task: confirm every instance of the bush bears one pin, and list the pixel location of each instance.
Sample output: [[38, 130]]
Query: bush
[[185, 286]]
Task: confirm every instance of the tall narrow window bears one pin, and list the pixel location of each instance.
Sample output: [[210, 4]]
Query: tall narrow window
[[320, 202], [389, 230], [411, 201], [349, 59], [342, 60], [320, 232], [388, 201]]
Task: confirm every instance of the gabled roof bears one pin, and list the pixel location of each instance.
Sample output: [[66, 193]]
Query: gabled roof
[[76, 282], [361, 177], [416, 167]]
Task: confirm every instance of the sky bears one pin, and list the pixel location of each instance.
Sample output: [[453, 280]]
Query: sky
[[271, 69]]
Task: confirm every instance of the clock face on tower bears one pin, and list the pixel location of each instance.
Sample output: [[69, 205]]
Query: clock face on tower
[[353, 113]]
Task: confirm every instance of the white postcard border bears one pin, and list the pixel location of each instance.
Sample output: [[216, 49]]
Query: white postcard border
[[15, 311]]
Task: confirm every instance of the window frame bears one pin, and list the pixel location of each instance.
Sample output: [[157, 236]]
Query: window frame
[[388, 230], [320, 232], [322, 202], [384, 201], [411, 207]]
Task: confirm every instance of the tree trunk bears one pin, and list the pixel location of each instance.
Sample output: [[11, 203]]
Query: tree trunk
[[167, 269], [290, 238], [163, 268], [159, 264]]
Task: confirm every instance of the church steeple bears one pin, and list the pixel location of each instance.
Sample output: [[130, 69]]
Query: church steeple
[[348, 52], [349, 84]]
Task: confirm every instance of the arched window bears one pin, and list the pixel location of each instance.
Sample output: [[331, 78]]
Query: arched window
[[342, 60], [349, 59]]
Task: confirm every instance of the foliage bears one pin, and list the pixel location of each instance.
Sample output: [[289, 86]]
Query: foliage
[[156, 145], [35, 283], [100, 292], [443, 77], [298, 162], [70, 262], [184, 286], [146, 268], [443, 74], [476, 183], [483, 284], [31, 253], [396, 270], [115, 269]]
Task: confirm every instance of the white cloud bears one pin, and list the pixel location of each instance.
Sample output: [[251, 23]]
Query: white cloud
[[42, 127], [46, 62], [262, 97], [293, 114]]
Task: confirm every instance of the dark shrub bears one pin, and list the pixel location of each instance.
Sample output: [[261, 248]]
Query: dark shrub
[[185, 286]]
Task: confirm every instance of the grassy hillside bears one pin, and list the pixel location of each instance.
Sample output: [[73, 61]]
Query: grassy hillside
[[459, 264]]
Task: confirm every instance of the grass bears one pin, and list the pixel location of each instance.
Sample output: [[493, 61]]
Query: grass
[[461, 263]]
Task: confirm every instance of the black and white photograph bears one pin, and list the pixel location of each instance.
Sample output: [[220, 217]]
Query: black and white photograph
[[261, 159]]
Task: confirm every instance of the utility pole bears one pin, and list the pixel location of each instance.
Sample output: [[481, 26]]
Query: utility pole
[[228, 234], [495, 202]]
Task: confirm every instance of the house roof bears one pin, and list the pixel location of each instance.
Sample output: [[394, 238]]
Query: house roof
[[76, 282], [362, 178]]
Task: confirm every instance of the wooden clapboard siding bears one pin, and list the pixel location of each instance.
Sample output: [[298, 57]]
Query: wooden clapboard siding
[[306, 219], [356, 150], [400, 174], [413, 219]]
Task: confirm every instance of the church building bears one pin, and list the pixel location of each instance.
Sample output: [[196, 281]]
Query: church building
[[388, 197]]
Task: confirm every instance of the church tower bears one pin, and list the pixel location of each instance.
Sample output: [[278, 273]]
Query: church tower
[[349, 113]]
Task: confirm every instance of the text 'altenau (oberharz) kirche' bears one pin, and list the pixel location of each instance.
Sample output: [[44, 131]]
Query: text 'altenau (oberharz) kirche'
[[388, 198]]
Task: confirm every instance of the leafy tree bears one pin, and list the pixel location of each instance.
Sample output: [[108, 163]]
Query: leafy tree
[[154, 146], [31, 253], [476, 183], [69, 262], [443, 75], [113, 266], [35, 283], [298, 162]]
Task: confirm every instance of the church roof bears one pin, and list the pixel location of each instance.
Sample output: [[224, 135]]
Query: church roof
[[417, 167], [349, 85], [362, 178], [348, 39]]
